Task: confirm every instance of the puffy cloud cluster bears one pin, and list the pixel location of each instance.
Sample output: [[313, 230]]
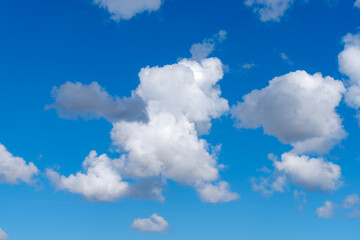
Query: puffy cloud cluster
[[203, 50], [298, 109], [349, 64], [350, 208], [14, 169], [154, 223], [312, 174], [92, 101], [124, 9], [269, 10], [3, 235], [181, 100]]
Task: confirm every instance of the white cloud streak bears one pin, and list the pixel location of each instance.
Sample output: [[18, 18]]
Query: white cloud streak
[[124, 9], [154, 223], [14, 169]]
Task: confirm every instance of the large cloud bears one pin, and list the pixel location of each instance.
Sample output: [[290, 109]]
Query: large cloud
[[92, 101], [349, 64], [298, 109], [154, 223], [269, 10], [312, 174], [124, 9], [14, 169], [181, 100]]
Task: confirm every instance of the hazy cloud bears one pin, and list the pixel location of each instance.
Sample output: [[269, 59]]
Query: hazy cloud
[[154, 223], [203, 50], [269, 10], [124, 9]]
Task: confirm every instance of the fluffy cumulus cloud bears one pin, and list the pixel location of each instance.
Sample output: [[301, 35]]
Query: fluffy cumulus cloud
[[14, 169], [101, 181], [181, 100], [3, 235], [269, 10], [74, 100], [203, 50], [309, 173], [312, 174], [350, 208], [154, 223], [298, 109], [215, 193], [124, 9], [349, 64]]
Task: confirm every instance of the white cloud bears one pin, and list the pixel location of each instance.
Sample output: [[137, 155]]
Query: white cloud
[[269, 10], [326, 211], [124, 9], [216, 193], [312, 174], [14, 169], [203, 50], [101, 180], [351, 201], [349, 64], [181, 100], [357, 3], [92, 101], [155, 223], [248, 65], [298, 109], [286, 58], [350, 208], [3, 235]]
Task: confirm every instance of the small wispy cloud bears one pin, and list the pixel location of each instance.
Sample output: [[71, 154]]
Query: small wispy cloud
[[286, 59], [203, 50], [154, 223], [248, 65]]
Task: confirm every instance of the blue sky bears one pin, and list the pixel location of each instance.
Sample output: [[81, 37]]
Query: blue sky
[[166, 90]]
